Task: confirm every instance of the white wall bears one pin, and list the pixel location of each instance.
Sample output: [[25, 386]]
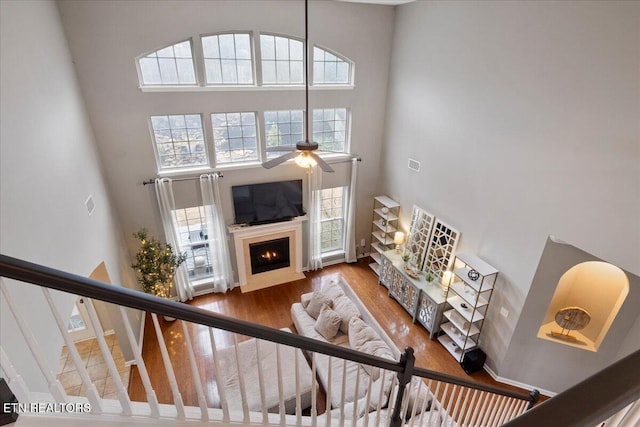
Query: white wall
[[525, 118], [105, 38], [48, 168]]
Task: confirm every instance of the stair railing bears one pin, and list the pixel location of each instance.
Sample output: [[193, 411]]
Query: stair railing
[[419, 393]]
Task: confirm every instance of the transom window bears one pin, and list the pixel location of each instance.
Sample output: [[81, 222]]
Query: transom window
[[228, 59], [234, 137], [329, 68], [330, 129], [282, 60], [179, 141], [191, 226], [172, 65], [332, 219], [283, 128]]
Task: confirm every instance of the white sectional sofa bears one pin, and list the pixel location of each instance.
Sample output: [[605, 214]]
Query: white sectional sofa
[[344, 300]]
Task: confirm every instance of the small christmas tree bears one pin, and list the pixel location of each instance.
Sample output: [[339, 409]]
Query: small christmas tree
[[155, 265]]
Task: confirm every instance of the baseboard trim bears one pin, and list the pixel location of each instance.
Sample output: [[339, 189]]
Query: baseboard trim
[[517, 383]]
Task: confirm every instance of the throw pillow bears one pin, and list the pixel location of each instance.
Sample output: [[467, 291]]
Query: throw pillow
[[327, 323], [332, 290], [305, 298], [376, 348], [346, 309], [318, 299], [359, 333]]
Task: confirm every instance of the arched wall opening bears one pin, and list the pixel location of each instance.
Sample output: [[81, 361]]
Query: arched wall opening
[[594, 287]]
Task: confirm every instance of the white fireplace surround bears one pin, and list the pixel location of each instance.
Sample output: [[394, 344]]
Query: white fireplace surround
[[243, 236]]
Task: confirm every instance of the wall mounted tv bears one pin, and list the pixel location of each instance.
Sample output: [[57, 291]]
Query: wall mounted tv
[[267, 202]]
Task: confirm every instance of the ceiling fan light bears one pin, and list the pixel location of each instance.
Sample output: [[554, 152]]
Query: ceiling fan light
[[304, 160]]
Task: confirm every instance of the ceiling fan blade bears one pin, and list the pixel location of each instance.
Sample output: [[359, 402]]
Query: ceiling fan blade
[[277, 148], [323, 165], [275, 162]]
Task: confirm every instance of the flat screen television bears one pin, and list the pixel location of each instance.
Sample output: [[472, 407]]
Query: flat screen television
[[263, 203]]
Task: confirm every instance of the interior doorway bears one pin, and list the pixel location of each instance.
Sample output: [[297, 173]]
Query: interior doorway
[[79, 326]]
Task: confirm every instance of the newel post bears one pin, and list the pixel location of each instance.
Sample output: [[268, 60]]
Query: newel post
[[407, 360]]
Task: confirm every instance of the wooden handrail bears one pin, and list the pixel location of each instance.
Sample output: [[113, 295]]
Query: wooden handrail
[[36, 274]]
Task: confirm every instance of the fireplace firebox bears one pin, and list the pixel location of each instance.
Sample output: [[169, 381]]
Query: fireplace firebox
[[269, 255]]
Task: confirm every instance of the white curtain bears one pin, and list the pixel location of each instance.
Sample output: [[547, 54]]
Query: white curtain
[[315, 216], [166, 203], [216, 232], [350, 217]]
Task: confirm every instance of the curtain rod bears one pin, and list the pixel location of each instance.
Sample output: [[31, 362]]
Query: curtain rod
[[220, 175], [190, 178]]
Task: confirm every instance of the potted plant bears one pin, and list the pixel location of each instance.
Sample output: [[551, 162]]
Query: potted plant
[[429, 277], [155, 265], [406, 257]]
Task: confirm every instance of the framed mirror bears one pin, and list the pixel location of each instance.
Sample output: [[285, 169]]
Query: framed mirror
[[418, 238], [441, 249]]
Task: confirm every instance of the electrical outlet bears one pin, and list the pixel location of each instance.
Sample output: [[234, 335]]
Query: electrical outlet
[[504, 312]]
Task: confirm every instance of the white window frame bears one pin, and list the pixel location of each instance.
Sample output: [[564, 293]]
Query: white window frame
[[253, 58], [195, 84], [164, 169], [351, 73], [261, 59], [264, 129], [259, 149], [347, 131], [340, 250], [186, 246]]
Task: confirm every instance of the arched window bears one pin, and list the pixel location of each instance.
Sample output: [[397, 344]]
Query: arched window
[[228, 59], [330, 69], [172, 65], [282, 60]]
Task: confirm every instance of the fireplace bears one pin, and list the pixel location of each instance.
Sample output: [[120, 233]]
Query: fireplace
[[269, 255], [263, 266]]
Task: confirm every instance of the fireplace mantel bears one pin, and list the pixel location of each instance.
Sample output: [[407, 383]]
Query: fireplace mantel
[[243, 236]]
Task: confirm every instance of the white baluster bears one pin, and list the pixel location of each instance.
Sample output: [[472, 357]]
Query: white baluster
[[384, 373], [425, 402], [433, 404], [508, 411], [471, 408], [496, 410], [414, 410], [123, 395], [464, 409], [456, 406], [328, 408], [197, 382], [16, 382], [631, 415], [355, 398], [367, 402], [314, 406], [55, 388], [142, 368], [243, 391], [487, 410], [443, 405], [92, 393], [171, 376], [280, 388], [522, 408], [298, 403], [394, 383], [263, 403], [344, 387], [222, 392]]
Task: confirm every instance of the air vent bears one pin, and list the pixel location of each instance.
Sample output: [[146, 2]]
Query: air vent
[[414, 165], [90, 204]]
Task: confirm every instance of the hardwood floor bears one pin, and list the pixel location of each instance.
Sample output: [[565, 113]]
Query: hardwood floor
[[271, 307]]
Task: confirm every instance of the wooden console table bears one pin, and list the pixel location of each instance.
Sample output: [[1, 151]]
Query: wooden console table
[[424, 302]]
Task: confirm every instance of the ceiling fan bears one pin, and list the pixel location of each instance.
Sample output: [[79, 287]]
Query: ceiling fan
[[304, 151]]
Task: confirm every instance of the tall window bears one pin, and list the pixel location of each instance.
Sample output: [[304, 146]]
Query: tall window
[[332, 219], [172, 65], [282, 60], [283, 128], [234, 137], [192, 234], [329, 69], [330, 129], [228, 59], [179, 141]]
